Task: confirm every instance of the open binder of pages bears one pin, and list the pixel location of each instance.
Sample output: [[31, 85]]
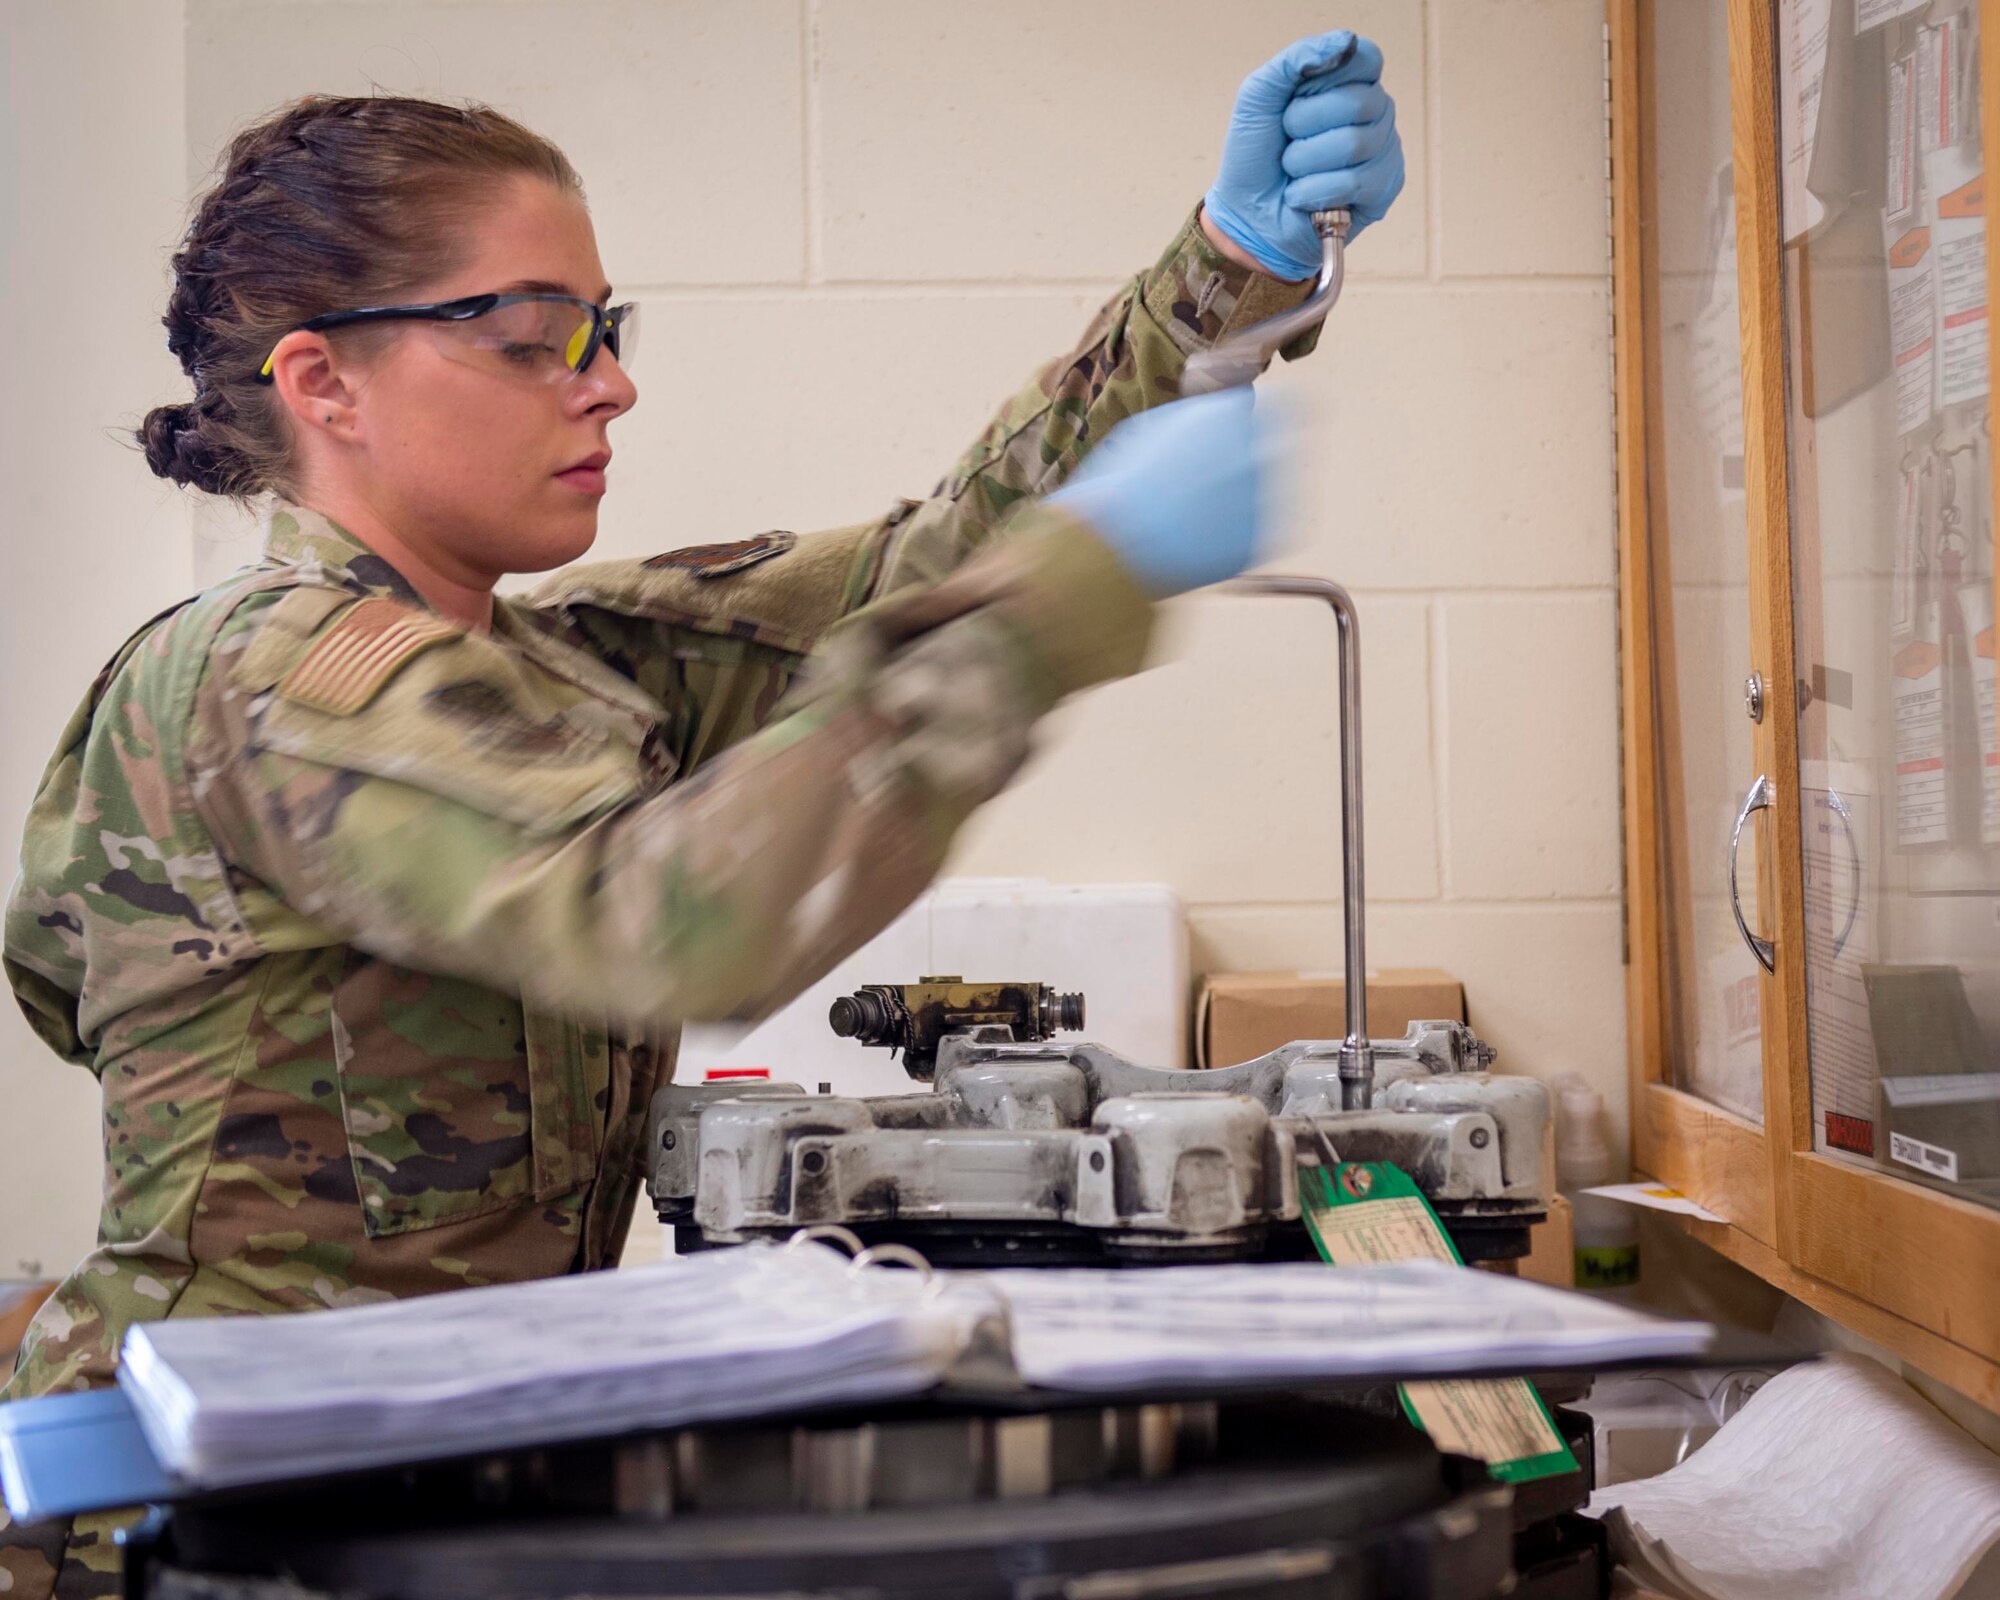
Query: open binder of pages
[[768, 1330]]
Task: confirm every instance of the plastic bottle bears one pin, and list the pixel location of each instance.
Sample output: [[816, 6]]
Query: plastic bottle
[[1607, 1239]]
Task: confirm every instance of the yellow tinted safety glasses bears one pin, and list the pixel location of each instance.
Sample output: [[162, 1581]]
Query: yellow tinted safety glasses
[[549, 338]]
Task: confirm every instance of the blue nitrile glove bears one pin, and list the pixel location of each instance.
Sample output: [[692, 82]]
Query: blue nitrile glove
[[1179, 491], [1300, 143]]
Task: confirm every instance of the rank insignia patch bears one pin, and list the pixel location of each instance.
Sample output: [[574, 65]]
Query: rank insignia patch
[[720, 560]]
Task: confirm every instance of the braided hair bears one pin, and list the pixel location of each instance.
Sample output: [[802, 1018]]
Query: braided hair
[[328, 203]]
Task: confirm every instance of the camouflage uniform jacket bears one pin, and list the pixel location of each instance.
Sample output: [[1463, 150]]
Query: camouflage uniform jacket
[[377, 932]]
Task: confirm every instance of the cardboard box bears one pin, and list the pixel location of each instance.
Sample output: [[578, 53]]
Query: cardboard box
[[1242, 1015], [1551, 1257]]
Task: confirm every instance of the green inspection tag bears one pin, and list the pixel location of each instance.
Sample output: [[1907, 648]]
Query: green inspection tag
[[1369, 1211]]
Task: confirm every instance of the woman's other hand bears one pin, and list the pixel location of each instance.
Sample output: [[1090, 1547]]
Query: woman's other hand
[[1182, 492]]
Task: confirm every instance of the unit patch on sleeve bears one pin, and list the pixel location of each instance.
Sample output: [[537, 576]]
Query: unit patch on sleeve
[[720, 560], [348, 664]]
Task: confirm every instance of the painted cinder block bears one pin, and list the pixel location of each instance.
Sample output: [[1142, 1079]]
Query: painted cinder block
[[1520, 121], [684, 117], [1531, 739], [1218, 771], [94, 544], [1458, 438], [1044, 139], [763, 412]]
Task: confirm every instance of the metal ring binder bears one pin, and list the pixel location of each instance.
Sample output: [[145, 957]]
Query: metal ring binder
[[901, 1255], [829, 1233]]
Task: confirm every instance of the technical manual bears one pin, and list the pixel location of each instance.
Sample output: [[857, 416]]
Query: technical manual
[[769, 1329]]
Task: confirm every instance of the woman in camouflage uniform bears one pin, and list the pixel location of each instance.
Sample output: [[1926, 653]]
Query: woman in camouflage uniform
[[374, 899]]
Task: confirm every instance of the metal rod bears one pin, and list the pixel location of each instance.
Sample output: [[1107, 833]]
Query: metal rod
[[1242, 356], [1357, 1055], [1238, 360]]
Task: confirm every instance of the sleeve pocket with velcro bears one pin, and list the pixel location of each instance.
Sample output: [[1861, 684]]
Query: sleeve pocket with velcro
[[464, 716]]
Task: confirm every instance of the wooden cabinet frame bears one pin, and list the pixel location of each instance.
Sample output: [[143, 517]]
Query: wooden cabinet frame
[[1910, 1268]]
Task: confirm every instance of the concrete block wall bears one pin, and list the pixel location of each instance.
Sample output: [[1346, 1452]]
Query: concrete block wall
[[855, 225], [91, 544]]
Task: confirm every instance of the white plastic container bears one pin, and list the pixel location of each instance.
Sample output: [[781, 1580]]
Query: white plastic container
[[1607, 1237], [1124, 946]]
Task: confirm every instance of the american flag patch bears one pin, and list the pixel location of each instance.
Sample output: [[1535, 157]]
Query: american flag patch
[[348, 664]]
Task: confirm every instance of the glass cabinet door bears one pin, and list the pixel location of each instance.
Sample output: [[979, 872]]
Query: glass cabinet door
[[1710, 1038], [1893, 582]]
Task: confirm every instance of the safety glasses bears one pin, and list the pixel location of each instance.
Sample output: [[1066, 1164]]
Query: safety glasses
[[549, 338]]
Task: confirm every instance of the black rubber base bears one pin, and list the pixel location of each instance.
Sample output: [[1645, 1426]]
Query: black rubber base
[[1303, 1501], [974, 1244]]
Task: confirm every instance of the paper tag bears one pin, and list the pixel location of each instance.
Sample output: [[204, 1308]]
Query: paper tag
[[1873, 13], [1934, 1159], [1367, 1211], [1917, 694], [1715, 339], [1501, 1422], [1839, 842], [1912, 324], [1372, 1212], [1958, 237], [1900, 195], [1961, 309], [1903, 592], [1989, 746], [1656, 1197], [1937, 83], [1975, 604]]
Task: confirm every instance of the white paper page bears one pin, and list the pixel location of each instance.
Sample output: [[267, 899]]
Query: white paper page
[[1715, 341], [1804, 36], [1912, 317], [1975, 604], [1917, 699], [1728, 1065], [1839, 867], [1106, 1330], [1940, 64], [1900, 189], [1656, 1197], [1957, 190], [760, 1331], [1836, 1480], [724, 1333], [1908, 570]]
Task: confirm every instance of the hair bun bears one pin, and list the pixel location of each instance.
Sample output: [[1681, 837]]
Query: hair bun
[[161, 435], [175, 448]]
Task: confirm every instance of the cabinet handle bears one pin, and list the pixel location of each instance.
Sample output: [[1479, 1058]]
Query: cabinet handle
[[1761, 794]]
